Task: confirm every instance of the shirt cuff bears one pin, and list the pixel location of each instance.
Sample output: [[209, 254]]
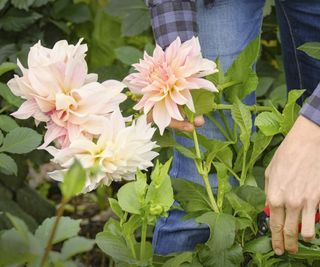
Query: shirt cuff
[[170, 19], [311, 109]]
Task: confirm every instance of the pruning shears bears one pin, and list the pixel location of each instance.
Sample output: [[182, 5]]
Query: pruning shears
[[263, 220]]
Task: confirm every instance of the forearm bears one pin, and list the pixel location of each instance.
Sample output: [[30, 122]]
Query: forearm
[[173, 18]]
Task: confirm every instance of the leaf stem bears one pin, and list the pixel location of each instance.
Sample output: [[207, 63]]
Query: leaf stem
[[225, 123], [213, 202], [227, 84], [143, 238], [196, 144], [244, 167], [217, 124], [53, 231]]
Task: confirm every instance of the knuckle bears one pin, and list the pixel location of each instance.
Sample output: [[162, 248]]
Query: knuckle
[[274, 201], [290, 232], [294, 203], [276, 228]]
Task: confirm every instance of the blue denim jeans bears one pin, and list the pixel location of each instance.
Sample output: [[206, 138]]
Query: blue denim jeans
[[224, 31]]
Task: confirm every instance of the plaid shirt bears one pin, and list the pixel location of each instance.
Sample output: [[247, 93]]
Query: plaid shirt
[[173, 18]]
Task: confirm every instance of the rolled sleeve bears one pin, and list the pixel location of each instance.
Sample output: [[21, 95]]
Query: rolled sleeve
[[311, 109], [170, 19]]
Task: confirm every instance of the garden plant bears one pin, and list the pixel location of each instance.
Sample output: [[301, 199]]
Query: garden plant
[[98, 136]]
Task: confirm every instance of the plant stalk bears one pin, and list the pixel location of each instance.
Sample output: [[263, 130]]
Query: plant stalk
[[204, 174], [143, 238], [53, 231], [244, 167], [253, 108]]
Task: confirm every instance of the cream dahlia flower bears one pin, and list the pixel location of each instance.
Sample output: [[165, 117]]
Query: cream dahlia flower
[[115, 155], [166, 78], [59, 91]]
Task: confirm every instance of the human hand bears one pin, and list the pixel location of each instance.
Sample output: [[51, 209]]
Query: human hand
[[185, 126], [293, 186]]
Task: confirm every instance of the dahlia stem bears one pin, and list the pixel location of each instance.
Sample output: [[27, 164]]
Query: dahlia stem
[[253, 108], [53, 231]]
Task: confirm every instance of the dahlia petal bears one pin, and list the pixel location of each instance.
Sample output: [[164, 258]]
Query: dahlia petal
[[160, 116], [173, 109]]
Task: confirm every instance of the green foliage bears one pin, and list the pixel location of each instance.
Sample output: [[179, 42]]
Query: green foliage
[[73, 181], [19, 246], [311, 48]]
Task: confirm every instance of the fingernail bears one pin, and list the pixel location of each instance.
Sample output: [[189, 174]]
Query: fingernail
[[278, 251]]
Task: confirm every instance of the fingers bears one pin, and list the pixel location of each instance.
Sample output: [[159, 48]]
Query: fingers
[[198, 121], [308, 222], [181, 125], [277, 216], [291, 229]]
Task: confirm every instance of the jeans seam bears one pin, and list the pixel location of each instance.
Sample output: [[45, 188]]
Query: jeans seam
[[293, 41]]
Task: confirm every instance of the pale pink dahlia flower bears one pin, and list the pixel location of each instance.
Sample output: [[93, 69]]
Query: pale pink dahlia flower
[[59, 91], [115, 155], [166, 78]]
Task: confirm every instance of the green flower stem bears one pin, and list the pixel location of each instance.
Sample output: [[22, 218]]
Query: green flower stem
[[253, 108], [225, 123], [143, 238], [230, 169], [53, 231], [131, 246], [204, 173]]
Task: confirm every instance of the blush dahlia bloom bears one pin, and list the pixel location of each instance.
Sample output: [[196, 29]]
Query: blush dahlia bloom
[[59, 91], [115, 155], [166, 78]]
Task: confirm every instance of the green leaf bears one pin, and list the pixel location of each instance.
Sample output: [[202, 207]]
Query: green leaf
[[252, 195], [6, 93], [1, 137], [231, 257], [259, 245], [76, 245], [123, 7], [17, 20], [7, 123], [260, 143], [136, 22], [21, 140], [22, 4], [131, 195], [278, 95], [7, 165], [191, 196], [311, 48], [178, 260], [306, 253], [241, 71], [291, 111], [111, 242], [160, 193], [222, 230], [268, 123], [264, 85], [66, 229], [128, 54], [39, 3], [2, 5], [242, 117], [114, 205], [6, 67], [19, 225], [241, 207], [73, 181], [223, 182], [78, 13], [203, 101], [187, 152]]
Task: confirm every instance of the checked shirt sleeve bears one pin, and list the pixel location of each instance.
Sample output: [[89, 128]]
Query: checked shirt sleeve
[[173, 18], [311, 109]]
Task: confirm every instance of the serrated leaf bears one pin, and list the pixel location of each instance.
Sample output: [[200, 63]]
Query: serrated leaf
[[311, 48], [39, 3], [66, 229], [7, 123], [22, 4], [76, 245], [6, 93], [21, 140], [260, 143], [259, 245], [123, 7], [223, 182], [187, 152], [19, 225], [241, 207], [7, 50], [7, 165], [242, 117], [17, 20], [73, 181], [2, 5], [203, 101], [268, 123], [291, 111], [1, 137], [191, 196], [264, 85], [128, 54], [222, 230]]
